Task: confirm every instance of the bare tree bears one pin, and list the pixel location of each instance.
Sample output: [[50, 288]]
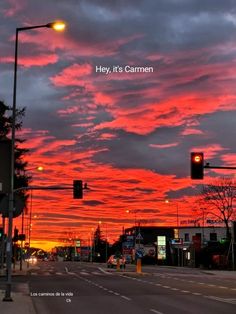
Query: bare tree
[[219, 199]]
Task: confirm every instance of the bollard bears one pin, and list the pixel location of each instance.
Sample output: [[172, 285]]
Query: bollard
[[139, 266]]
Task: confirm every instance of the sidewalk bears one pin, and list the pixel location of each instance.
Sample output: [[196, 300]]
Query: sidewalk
[[22, 303]]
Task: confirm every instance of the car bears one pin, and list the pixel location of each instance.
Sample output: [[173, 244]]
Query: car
[[32, 259], [113, 260]]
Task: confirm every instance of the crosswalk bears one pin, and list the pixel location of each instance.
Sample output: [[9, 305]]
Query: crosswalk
[[65, 273]]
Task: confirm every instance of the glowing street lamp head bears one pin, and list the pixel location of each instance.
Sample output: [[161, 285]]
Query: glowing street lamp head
[[57, 25]]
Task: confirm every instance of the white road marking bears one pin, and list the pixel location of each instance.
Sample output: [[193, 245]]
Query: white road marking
[[230, 301], [126, 298], [104, 271], [155, 311], [84, 273]]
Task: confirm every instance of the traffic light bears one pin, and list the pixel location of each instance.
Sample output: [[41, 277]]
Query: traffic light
[[16, 235], [77, 189], [197, 166], [1, 234]]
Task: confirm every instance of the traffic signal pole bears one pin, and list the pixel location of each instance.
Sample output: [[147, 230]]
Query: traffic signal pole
[[207, 166], [197, 166]]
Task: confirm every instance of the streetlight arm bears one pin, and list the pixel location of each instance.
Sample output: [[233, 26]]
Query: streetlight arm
[[57, 25], [33, 27]]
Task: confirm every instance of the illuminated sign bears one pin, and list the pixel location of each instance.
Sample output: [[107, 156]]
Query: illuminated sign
[[161, 247]]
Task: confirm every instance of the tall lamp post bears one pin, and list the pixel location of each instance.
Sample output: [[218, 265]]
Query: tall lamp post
[[59, 26]]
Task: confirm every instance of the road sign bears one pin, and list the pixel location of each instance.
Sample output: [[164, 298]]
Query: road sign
[[139, 253], [139, 237]]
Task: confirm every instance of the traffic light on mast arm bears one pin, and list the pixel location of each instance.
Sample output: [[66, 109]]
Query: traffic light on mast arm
[[77, 189], [197, 166]]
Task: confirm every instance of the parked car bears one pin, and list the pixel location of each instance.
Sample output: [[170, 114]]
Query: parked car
[[113, 260]]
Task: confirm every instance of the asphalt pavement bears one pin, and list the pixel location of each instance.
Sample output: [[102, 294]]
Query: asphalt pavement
[[22, 302]]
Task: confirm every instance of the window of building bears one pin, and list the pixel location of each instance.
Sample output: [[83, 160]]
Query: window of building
[[213, 236], [186, 237], [199, 235]]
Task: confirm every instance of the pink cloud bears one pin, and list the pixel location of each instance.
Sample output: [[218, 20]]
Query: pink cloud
[[73, 75], [191, 131], [164, 145], [39, 60], [210, 151], [15, 7]]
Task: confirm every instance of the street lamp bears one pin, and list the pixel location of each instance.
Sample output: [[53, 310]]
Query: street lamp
[[59, 26]]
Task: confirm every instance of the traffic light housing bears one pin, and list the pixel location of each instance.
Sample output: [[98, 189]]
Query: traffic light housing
[[16, 235], [1, 234], [77, 189], [197, 166]]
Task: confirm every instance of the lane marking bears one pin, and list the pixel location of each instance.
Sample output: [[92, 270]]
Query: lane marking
[[126, 298], [230, 301], [104, 271], [84, 273], [155, 311], [211, 285]]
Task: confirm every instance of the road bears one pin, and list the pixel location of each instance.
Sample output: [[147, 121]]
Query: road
[[90, 288]]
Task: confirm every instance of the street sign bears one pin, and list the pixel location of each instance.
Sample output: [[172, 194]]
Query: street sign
[[139, 253], [139, 237]]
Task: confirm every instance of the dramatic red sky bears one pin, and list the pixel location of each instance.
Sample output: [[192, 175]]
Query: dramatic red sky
[[128, 135]]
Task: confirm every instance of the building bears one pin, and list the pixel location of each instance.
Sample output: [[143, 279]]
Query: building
[[170, 245]]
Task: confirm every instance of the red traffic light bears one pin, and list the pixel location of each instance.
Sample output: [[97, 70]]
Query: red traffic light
[[197, 158], [197, 166]]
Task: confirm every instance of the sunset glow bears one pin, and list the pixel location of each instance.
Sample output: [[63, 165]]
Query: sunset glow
[[127, 134]]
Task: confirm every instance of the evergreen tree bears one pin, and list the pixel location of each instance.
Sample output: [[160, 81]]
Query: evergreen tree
[[100, 246], [20, 179]]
